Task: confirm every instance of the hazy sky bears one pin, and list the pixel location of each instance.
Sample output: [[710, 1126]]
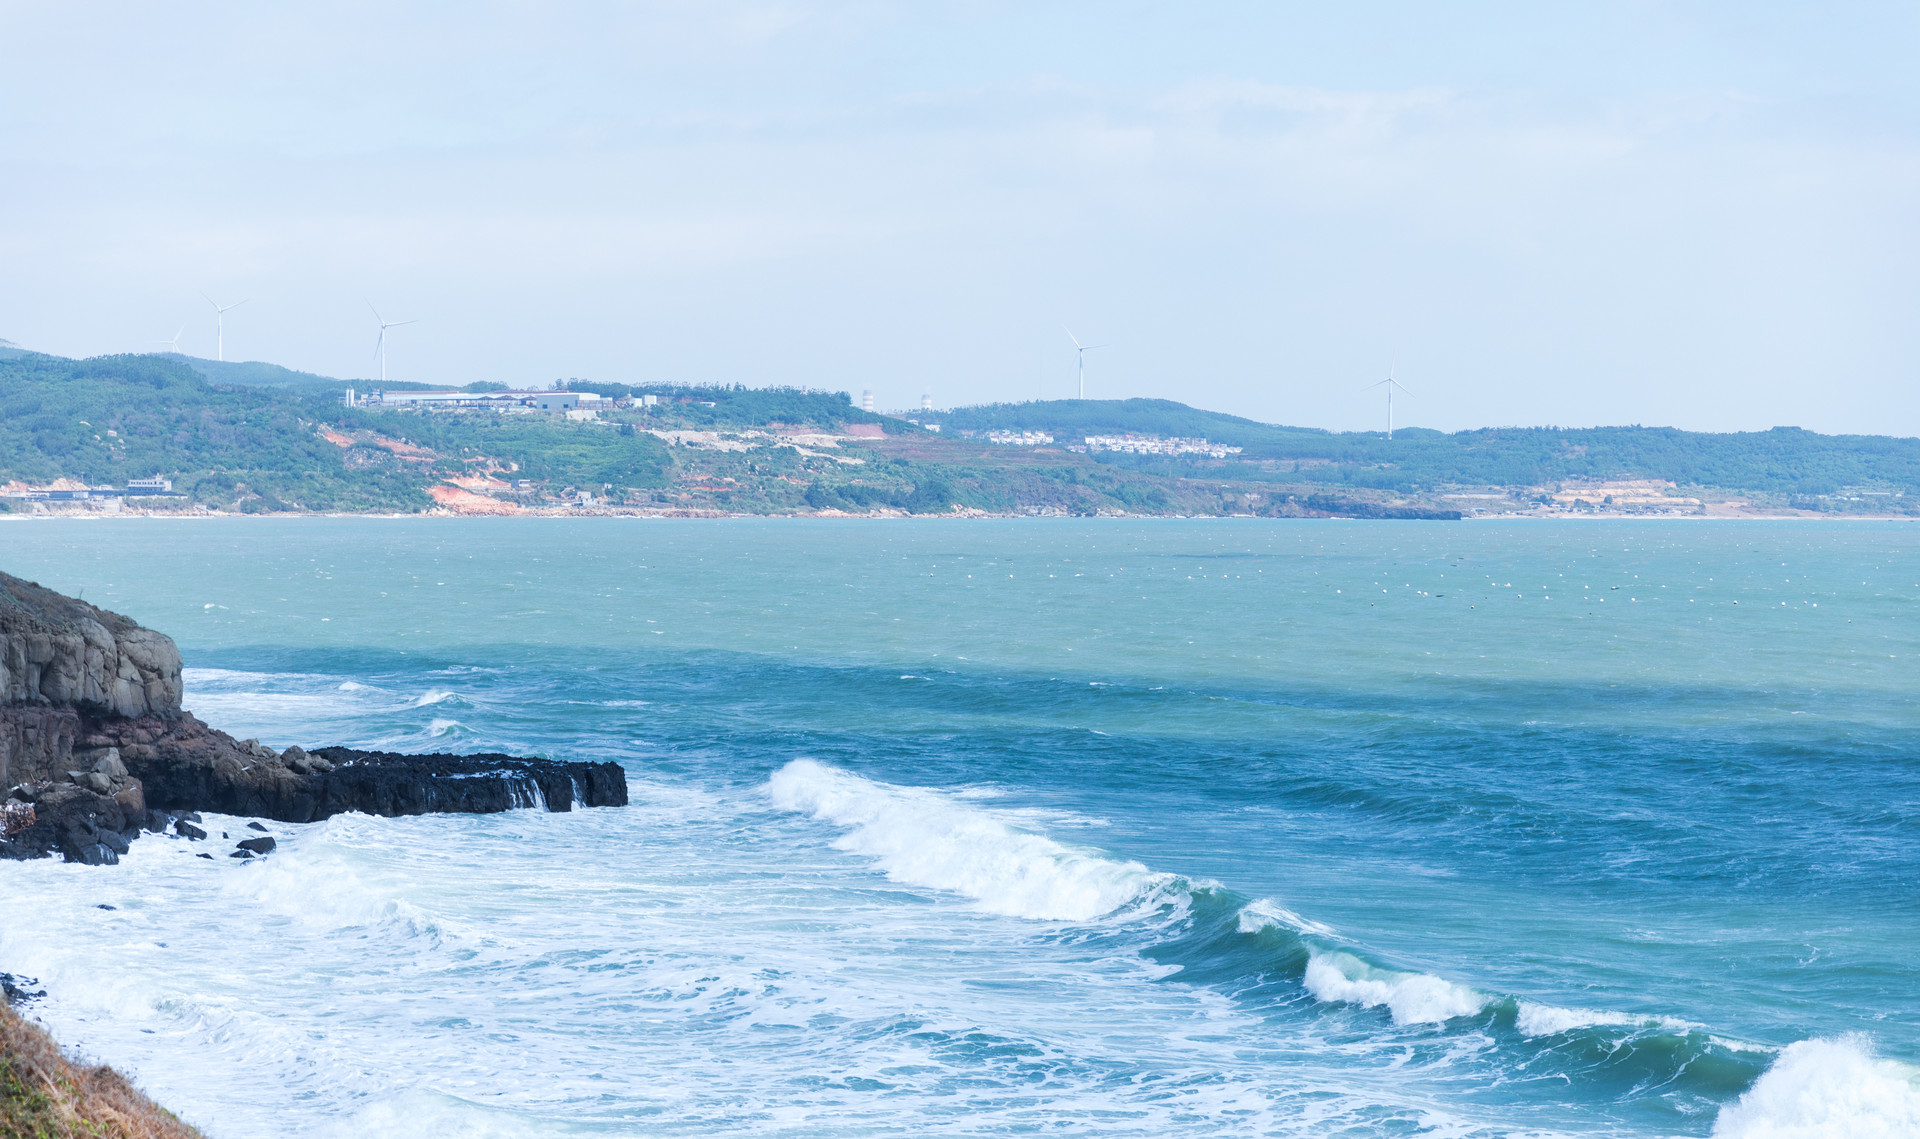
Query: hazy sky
[[1697, 214]]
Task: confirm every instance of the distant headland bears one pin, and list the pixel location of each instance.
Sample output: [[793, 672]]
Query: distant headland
[[169, 434]]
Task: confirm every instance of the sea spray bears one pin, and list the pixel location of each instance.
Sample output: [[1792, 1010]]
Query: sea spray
[[1827, 1089], [923, 838], [1412, 998]]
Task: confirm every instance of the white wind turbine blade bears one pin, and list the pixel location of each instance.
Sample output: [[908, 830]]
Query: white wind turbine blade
[[1072, 337], [380, 342]]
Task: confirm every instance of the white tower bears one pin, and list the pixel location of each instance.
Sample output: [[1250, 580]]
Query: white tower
[[866, 400]]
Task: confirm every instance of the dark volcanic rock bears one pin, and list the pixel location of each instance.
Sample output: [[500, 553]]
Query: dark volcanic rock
[[258, 845], [72, 820], [95, 746], [384, 783], [14, 989]]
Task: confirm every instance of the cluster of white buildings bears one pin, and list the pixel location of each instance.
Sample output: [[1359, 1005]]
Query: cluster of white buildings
[[1155, 445], [1019, 438], [573, 405], [155, 487]]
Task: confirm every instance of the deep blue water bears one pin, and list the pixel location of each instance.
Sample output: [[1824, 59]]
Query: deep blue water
[[1150, 828]]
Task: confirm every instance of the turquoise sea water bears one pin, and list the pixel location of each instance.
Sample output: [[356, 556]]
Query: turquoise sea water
[[1041, 827]]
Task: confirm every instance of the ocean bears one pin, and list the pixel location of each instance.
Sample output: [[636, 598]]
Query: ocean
[[1042, 827]]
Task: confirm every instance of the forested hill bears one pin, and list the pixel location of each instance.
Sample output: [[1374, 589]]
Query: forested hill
[[256, 437], [112, 418], [1785, 460]]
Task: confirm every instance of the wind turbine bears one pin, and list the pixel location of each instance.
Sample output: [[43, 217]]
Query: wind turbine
[[220, 325], [380, 345], [1390, 383], [173, 345], [1081, 357]]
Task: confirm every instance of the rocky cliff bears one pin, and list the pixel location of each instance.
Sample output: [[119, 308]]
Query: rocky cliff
[[94, 746]]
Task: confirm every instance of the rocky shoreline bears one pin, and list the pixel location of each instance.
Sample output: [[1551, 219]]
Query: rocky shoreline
[[96, 750]]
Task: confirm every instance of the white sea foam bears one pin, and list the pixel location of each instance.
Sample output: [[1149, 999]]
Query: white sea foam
[[1818, 1089], [1412, 998], [924, 838], [442, 727], [1549, 1020], [1263, 913], [434, 696]]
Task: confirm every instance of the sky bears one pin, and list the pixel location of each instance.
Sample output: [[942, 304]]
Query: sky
[[1696, 214]]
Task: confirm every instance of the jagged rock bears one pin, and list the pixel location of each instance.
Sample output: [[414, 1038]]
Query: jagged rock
[[113, 841], [258, 845], [96, 854], [69, 819], [15, 991], [92, 734], [109, 764], [255, 827], [241, 854]]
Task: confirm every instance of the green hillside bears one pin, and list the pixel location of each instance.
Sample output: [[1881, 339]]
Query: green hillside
[[254, 373], [106, 420], [255, 437], [1785, 460]]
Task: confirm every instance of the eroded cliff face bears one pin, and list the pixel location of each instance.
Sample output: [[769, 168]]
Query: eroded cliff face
[[94, 746], [65, 665]]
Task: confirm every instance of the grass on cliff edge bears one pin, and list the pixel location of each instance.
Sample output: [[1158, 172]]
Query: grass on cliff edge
[[44, 1095]]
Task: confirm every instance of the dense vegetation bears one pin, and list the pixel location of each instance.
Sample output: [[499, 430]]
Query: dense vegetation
[[1785, 460], [260, 448], [255, 437], [724, 407]]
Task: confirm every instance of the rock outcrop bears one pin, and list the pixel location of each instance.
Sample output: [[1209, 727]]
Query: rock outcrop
[[94, 746]]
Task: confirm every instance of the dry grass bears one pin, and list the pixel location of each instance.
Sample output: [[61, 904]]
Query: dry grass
[[43, 1095]]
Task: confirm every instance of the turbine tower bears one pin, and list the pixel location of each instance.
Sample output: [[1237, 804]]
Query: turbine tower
[[220, 325], [1390, 383], [380, 345], [1081, 351]]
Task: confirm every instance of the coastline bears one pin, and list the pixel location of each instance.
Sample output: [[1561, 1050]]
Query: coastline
[[959, 515], [45, 1091]]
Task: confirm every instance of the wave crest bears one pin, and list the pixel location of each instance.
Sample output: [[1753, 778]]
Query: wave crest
[[924, 838], [1820, 1088], [1412, 998]]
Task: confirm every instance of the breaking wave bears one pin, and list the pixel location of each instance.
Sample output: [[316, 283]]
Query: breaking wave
[[1819, 1089], [1207, 934]]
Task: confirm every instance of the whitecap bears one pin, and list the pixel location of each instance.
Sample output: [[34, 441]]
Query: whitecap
[[443, 727], [1821, 1088], [434, 696], [924, 838], [1551, 1020], [1264, 913], [1412, 998]]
